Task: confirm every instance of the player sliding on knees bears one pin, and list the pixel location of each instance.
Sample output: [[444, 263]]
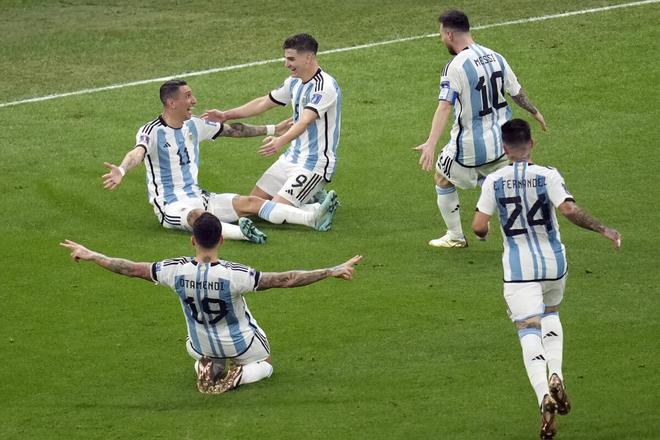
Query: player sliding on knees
[[169, 147], [524, 197], [227, 343], [301, 172]]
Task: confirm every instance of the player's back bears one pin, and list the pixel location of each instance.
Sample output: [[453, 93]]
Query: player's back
[[219, 322], [477, 79], [525, 196]]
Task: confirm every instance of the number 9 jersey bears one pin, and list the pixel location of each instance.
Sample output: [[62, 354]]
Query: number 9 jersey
[[219, 322], [525, 195], [474, 81]]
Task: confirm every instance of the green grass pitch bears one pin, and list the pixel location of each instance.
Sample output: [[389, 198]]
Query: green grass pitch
[[418, 345]]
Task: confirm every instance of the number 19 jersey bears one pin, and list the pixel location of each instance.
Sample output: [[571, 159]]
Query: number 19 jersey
[[474, 81], [211, 294], [524, 196]]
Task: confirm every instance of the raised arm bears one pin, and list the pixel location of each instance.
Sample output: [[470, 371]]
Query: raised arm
[[117, 265], [113, 178], [255, 107], [438, 125], [297, 278], [581, 218], [523, 101]]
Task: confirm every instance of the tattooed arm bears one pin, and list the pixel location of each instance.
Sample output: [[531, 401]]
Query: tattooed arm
[[246, 130], [117, 265], [297, 278], [581, 218], [133, 158], [523, 102]]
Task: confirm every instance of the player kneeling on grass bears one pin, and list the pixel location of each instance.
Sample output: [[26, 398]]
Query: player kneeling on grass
[[221, 329], [524, 196], [169, 147]]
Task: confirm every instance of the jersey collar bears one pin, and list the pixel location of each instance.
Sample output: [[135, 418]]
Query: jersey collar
[[318, 72]]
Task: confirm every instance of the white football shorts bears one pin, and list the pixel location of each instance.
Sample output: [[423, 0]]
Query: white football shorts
[[175, 215], [290, 181], [464, 177], [528, 299]]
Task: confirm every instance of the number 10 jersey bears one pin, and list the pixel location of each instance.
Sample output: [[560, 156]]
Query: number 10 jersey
[[524, 196], [475, 82]]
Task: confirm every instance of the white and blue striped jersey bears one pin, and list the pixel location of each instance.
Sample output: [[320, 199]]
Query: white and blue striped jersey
[[474, 81], [524, 196], [218, 320], [315, 149], [172, 158]]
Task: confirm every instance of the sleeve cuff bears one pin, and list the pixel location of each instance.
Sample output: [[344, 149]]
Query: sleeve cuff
[[154, 277], [308, 107], [141, 146], [270, 95], [222, 127]]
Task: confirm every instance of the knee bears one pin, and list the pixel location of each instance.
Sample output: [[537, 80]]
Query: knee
[[533, 322], [193, 215], [441, 181]]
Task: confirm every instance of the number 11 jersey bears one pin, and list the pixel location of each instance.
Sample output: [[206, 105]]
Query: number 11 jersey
[[524, 196], [475, 82]]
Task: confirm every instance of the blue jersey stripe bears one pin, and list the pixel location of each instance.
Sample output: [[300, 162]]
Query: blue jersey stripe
[[190, 320], [494, 115], [165, 167], [232, 321], [523, 220], [313, 140], [514, 252], [531, 228], [553, 229], [195, 136], [198, 300], [477, 122], [184, 163]]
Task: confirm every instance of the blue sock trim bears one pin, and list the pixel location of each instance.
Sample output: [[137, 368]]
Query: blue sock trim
[[444, 191], [529, 331], [549, 314], [266, 209]]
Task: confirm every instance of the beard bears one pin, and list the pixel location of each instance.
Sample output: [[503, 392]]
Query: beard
[[451, 51]]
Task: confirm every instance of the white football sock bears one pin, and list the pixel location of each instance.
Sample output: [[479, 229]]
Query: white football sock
[[449, 209], [255, 371], [310, 207], [535, 364], [279, 213], [553, 342], [232, 232]]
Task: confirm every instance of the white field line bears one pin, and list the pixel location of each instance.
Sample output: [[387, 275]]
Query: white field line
[[324, 52]]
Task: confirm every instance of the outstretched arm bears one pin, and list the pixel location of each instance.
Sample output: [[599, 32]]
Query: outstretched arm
[[255, 107], [581, 218], [113, 178], [117, 265], [523, 102], [246, 130], [427, 149], [297, 278]]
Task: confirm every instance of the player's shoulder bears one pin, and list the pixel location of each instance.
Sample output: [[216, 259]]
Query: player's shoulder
[[152, 125], [544, 170], [233, 266], [177, 261]]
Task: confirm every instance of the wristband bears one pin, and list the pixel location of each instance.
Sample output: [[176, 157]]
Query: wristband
[[122, 171], [270, 130]]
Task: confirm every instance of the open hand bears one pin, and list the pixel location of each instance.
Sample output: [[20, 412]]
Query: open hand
[[214, 115], [427, 157], [271, 145], [112, 179], [78, 251]]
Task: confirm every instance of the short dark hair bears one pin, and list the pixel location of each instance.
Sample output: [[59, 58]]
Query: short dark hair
[[207, 230], [455, 20], [516, 133], [170, 88], [301, 43]]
